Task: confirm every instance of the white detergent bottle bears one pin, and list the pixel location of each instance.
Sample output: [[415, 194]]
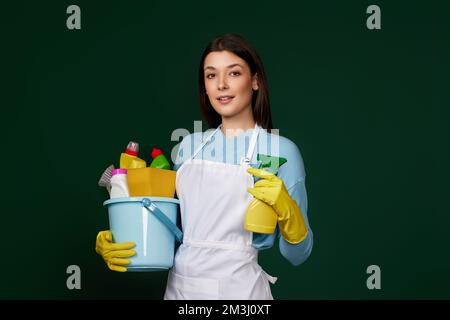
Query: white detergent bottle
[[119, 184]]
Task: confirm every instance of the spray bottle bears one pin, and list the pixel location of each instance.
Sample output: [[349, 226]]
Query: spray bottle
[[129, 159], [261, 217]]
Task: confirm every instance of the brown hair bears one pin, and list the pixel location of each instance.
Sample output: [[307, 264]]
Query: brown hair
[[260, 99]]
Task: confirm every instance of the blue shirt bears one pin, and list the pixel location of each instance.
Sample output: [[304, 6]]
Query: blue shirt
[[232, 149]]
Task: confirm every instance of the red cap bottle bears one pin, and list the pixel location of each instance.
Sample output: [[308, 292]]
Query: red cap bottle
[[132, 148]]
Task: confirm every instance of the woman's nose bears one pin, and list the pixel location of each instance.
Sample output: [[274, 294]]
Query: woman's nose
[[223, 83]]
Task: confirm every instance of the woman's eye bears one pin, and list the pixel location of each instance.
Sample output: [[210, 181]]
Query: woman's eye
[[235, 73], [210, 76]]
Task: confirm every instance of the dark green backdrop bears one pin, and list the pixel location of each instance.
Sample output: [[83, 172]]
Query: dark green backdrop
[[369, 111]]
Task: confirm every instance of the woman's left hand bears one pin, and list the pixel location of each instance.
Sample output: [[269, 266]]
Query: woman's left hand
[[271, 190]]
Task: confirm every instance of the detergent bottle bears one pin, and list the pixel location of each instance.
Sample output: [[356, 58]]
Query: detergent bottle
[[260, 217], [119, 185], [129, 158], [159, 160]]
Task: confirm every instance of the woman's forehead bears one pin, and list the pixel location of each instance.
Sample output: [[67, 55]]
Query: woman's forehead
[[223, 59]]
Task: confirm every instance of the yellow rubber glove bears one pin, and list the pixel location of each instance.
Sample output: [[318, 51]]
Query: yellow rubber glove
[[114, 253], [272, 191]]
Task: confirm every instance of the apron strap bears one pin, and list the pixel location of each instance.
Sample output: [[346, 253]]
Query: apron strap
[[205, 142], [251, 147], [271, 279], [219, 245]]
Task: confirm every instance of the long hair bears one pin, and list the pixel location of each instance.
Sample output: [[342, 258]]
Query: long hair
[[260, 99]]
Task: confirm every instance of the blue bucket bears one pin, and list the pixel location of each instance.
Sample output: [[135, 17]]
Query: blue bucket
[[150, 222]]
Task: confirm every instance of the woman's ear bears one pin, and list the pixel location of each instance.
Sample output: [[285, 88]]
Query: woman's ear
[[255, 85]]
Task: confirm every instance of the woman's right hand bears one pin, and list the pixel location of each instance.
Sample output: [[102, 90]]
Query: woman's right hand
[[114, 253]]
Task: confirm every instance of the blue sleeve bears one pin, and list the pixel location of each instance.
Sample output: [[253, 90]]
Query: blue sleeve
[[293, 175], [186, 148], [182, 152], [298, 253]]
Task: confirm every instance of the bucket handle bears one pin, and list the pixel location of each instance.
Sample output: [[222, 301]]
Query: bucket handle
[[150, 206]]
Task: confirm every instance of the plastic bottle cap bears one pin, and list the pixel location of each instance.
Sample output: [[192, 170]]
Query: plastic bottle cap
[[156, 152], [132, 148], [118, 171]]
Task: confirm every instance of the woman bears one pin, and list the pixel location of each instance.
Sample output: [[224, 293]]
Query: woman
[[215, 185]]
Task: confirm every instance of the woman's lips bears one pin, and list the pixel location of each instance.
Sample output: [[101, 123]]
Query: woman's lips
[[225, 100]]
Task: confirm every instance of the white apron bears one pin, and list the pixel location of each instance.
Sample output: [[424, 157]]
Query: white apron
[[217, 259]]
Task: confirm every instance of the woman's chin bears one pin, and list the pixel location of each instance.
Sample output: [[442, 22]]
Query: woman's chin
[[227, 111]]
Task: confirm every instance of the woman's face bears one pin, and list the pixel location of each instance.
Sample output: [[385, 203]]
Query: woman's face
[[229, 83]]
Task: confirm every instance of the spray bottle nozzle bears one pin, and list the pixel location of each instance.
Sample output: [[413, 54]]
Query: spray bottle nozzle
[[132, 148], [270, 163]]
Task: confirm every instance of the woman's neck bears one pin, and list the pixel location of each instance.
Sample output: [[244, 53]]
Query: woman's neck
[[233, 126]]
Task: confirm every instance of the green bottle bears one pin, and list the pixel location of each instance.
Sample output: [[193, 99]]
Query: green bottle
[[159, 160]]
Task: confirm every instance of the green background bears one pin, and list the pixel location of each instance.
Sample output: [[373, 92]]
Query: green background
[[369, 110]]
